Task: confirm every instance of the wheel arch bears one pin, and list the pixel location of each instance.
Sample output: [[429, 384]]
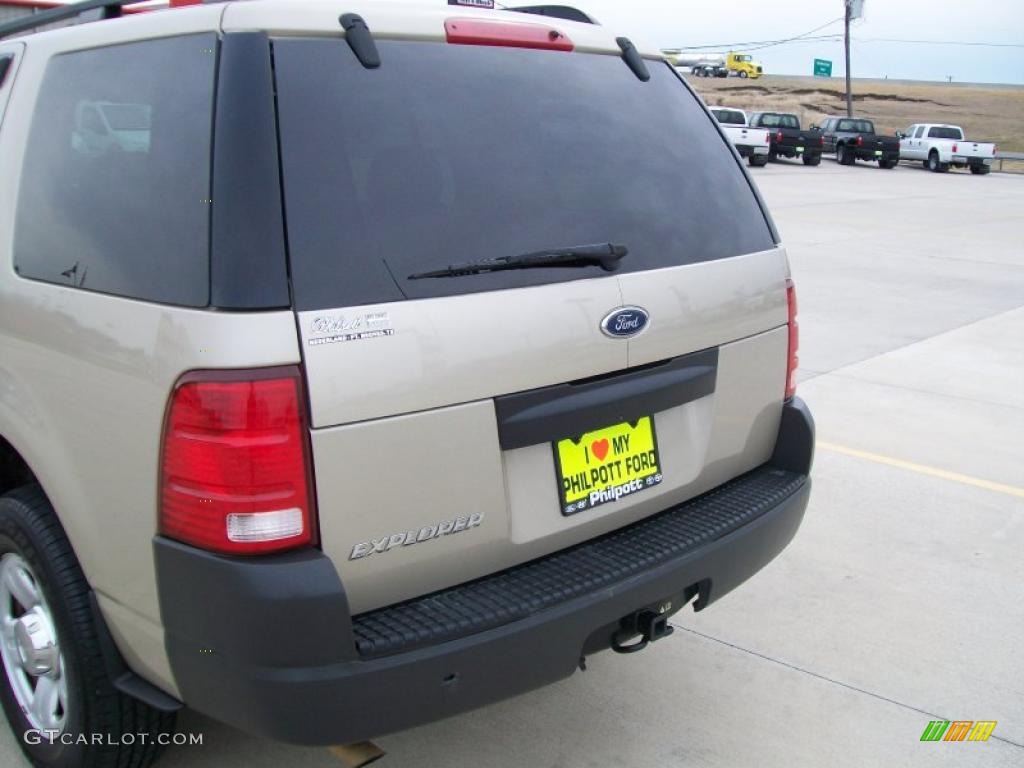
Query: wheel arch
[[14, 469]]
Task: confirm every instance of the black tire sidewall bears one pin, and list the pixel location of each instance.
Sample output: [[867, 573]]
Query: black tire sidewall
[[17, 536]]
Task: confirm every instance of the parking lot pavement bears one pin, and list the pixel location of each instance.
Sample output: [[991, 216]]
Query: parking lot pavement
[[899, 601]]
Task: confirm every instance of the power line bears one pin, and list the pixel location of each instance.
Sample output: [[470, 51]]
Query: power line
[[938, 42], [759, 43], [754, 45]]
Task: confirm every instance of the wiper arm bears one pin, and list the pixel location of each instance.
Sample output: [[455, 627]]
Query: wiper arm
[[605, 255]]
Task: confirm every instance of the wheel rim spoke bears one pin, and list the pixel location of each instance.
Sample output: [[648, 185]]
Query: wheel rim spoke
[[20, 585], [44, 700]]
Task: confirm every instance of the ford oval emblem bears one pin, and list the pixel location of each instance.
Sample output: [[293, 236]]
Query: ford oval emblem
[[625, 322]]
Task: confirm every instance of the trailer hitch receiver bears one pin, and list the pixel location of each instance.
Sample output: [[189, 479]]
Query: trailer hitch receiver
[[650, 625]]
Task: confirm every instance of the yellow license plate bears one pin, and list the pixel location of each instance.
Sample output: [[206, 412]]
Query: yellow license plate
[[607, 464]]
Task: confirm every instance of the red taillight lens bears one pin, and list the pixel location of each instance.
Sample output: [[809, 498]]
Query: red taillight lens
[[778, 136], [509, 34], [821, 141], [954, 147], [793, 358], [860, 141], [235, 473]]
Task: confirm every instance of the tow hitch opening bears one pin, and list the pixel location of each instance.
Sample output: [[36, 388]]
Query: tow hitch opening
[[650, 625]]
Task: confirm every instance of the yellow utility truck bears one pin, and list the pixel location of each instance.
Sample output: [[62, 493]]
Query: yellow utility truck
[[717, 64]]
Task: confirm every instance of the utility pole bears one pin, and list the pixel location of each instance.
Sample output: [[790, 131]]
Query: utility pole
[[849, 95]]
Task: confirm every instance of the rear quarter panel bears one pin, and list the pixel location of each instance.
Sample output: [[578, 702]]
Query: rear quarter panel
[[85, 378]]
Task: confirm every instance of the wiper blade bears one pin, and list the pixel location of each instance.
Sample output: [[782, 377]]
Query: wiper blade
[[604, 255]]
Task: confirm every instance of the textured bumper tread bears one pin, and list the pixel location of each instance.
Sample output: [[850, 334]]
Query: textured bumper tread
[[526, 589]]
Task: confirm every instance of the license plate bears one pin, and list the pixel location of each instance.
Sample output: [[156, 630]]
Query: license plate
[[799, 149], [878, 153], [606, 465]]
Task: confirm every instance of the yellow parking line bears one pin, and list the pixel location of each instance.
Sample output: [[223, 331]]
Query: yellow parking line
[[921, 469]]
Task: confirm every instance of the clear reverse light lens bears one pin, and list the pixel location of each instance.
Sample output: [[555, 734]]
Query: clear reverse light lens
[[265, 526]]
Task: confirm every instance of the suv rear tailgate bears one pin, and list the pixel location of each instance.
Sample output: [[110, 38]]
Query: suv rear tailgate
[[449, 154]]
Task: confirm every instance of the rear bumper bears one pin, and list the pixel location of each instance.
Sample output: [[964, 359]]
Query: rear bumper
[[869, 154], [746, 150], [792, 151], [267, 645]]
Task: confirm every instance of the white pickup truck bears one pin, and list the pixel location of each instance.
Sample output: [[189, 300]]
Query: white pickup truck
[[942, 146], [751, 143]]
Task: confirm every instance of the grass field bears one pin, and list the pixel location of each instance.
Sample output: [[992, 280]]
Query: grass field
[[989, 113]]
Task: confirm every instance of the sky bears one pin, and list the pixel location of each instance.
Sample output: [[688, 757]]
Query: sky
[[682, 23], [679, 23]]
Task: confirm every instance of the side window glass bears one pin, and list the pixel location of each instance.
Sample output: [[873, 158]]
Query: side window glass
[[118, 198], [8, 62]]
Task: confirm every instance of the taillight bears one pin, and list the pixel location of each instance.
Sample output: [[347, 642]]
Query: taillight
[[821, 141], [793, 357], [954, 147], [860, 141], [235, 471], [778, 136], [767, 138], [510, 34]]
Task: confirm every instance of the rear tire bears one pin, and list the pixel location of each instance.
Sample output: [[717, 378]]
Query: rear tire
[[758, 161], [52, 660], [981, 170], [934, 165], [843, 156], [743, 75], [888, 164], [812, 159]]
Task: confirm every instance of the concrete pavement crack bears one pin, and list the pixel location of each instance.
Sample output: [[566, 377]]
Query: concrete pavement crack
[[831, 680]]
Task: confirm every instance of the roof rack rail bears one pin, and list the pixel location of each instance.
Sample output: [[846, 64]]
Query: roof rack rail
[[566, 12], [110, 9]]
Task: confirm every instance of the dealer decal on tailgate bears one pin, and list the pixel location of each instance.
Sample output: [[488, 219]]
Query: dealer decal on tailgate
[[607, 464]]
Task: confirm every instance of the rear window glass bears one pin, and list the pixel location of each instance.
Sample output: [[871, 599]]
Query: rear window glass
[[942, 132], [772, 120], [116, 186], [856, 126], [729, 116], [448, 154]]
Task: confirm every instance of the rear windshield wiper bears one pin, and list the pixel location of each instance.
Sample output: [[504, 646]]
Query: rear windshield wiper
[[604, 255]]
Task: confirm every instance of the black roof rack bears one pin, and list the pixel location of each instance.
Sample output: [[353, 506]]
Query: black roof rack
[[566, 12], [109, 9]]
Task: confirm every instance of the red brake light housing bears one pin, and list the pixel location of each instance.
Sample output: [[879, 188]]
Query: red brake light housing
[[236, 474], [778, 136], [793, 355], [860, 141], [508, 34], [954, 148]]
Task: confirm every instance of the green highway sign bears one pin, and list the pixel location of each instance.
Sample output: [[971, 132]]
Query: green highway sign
[[822, 68]]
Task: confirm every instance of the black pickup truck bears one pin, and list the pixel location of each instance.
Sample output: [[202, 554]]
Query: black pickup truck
[[787, 138], [854, 138]]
